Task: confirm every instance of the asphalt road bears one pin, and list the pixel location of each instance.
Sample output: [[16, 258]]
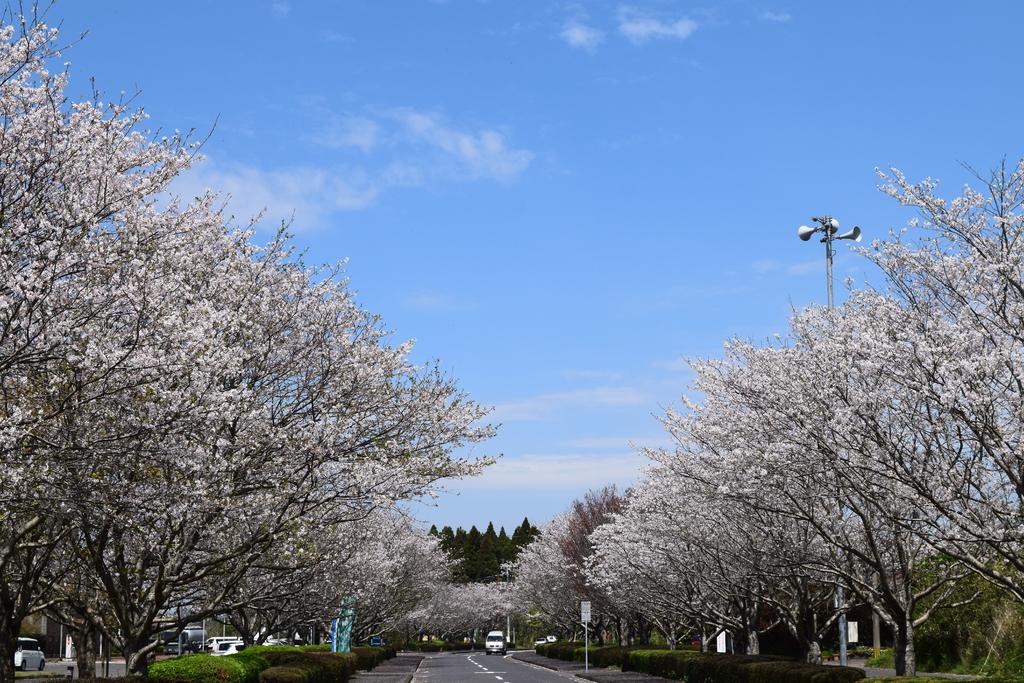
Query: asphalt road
[[61, 667], [459, 667]]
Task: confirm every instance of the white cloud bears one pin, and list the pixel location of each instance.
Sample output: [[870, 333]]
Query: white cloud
[[308, 194], [777, 17], [618, 443], [280, 8], [641, 28], [483, 153], [350, 131], [423, 149], [543, 406], [579, 35], [558, 471]]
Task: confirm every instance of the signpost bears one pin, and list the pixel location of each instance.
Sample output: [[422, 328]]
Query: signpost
[[585, 618]]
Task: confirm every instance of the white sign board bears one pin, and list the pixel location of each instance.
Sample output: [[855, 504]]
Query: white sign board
[[722, 645], [852, 634], [585, 612]]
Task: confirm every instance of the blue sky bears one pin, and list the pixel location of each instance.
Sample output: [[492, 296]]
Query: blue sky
[[561, 200]]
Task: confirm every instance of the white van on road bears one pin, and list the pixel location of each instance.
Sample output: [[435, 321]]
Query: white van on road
[[495, 643]]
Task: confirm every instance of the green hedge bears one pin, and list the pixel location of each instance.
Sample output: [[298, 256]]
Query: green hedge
[[369, 656], [696, 667], [604, 656], [305, 666], [204, 668], [560, 650], [269, 664]]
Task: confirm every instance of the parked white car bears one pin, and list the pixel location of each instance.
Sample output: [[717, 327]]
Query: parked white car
[[228, 647], [29, 656], [212, 643]]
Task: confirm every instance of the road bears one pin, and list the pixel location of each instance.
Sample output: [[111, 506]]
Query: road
[[459, 667], [61, 667]]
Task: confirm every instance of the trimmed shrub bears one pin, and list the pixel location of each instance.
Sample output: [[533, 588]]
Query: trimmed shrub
[[560, 650], [205, 668], [305, 666], [368, 656], [696, 667]]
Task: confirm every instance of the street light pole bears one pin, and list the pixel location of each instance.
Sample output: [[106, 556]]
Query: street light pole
[[828, 227]]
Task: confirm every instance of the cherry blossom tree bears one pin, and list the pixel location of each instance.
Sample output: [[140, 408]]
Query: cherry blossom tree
[[956, 272], [72, 173], [185, 401]]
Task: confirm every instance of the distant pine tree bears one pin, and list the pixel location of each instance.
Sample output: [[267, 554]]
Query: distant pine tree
[[477, 556]]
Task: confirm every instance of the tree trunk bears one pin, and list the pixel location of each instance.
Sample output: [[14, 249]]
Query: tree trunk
[[8, 645], [806, 633], [136, 656], [85, 641], [903, 648]]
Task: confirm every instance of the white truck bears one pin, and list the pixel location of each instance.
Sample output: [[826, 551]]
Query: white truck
[[495, 643]]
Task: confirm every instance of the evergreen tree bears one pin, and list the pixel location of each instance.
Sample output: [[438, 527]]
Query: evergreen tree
[[477, 556]]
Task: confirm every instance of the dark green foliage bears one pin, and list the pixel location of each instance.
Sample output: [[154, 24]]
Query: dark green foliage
[[479, 556], [984, 636], [607, 655], [368, 656], [697, 667], [561, 650], [305, 666]]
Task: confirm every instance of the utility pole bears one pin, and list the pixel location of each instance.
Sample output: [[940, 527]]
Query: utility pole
[[828, 227]]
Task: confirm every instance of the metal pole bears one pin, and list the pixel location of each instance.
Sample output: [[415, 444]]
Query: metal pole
[[828, 264], [840, 598], [586, 646], [876, 634]]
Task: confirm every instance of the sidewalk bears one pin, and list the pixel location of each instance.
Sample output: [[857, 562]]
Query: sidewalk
[[398, 669]]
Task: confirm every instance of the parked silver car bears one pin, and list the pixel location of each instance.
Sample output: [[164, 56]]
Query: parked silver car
[[29, 656]]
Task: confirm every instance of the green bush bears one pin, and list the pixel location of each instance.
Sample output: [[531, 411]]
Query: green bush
[[205, 668], [305, 666], [369, 656], [561, 650], [266, 664], [886, 659], [697, 667]]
